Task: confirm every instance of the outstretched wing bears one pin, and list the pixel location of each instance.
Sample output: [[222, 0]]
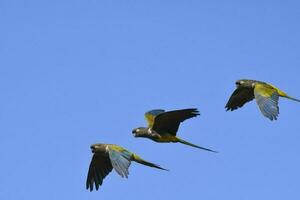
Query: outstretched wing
[[120, 159], [267, 99], [100, 167], [168, 122], [150, 116], [239, 97]]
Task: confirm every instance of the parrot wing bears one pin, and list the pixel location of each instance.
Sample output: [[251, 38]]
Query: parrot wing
[[168, 122], [267, 99], [239, 97], [120, 160], [150, 116], [100, 167]]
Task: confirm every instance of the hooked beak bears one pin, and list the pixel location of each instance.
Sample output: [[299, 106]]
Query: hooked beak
[[134, 133], [93, 149]]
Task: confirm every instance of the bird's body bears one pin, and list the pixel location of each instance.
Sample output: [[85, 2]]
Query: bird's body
[[107, 157], [166, 138], [266, 95], [163, 126]]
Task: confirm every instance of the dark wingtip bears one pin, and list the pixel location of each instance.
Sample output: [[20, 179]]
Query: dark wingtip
[[273, 119], [195, 111], [89, 188], [228, 108]]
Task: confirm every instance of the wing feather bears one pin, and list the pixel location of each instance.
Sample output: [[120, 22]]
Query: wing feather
[[267, 100], [239, 97], [150, 116], [120, 161], [99, 168], [168, 122]]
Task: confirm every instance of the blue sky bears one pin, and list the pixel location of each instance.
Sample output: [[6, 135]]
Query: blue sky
[[74, 73]]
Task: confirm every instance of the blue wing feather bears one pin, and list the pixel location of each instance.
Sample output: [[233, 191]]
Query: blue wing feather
[[150, 116], [268, 105], [155, 112], [120, 161]]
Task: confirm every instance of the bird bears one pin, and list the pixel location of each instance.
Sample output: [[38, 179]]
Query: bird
[[265, 94], [107, 157], [163, 126]]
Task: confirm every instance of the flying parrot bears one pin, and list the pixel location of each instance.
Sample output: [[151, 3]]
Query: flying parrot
[[163, 126], [109, 156], [266, 96]]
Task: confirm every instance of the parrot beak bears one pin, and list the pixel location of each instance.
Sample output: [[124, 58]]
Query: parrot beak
[[134, 133], [93, 149]]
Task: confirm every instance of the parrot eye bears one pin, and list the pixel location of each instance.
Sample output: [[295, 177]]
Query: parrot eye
[[135, 130], [237, 83]]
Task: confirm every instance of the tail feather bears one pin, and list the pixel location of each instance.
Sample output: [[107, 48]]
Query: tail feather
[[193, 145], [292, 98], [138, 159], [283, 94]]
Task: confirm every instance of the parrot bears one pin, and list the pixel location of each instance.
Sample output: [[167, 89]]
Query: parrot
[[163, 126], [107, 157], [266, 95]]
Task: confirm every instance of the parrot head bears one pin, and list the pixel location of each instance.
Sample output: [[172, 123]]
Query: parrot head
[[140, 132], [244, 83], [98, 148]]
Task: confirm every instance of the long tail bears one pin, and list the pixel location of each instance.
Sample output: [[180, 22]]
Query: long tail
[[292, 98], [193, 145], [138, 159], [283, 94]]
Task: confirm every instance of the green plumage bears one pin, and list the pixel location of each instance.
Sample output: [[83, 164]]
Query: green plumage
[[163, 126], [107, 157], [265, 94]]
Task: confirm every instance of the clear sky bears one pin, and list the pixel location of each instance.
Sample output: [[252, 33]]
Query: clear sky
[[74, 73]]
